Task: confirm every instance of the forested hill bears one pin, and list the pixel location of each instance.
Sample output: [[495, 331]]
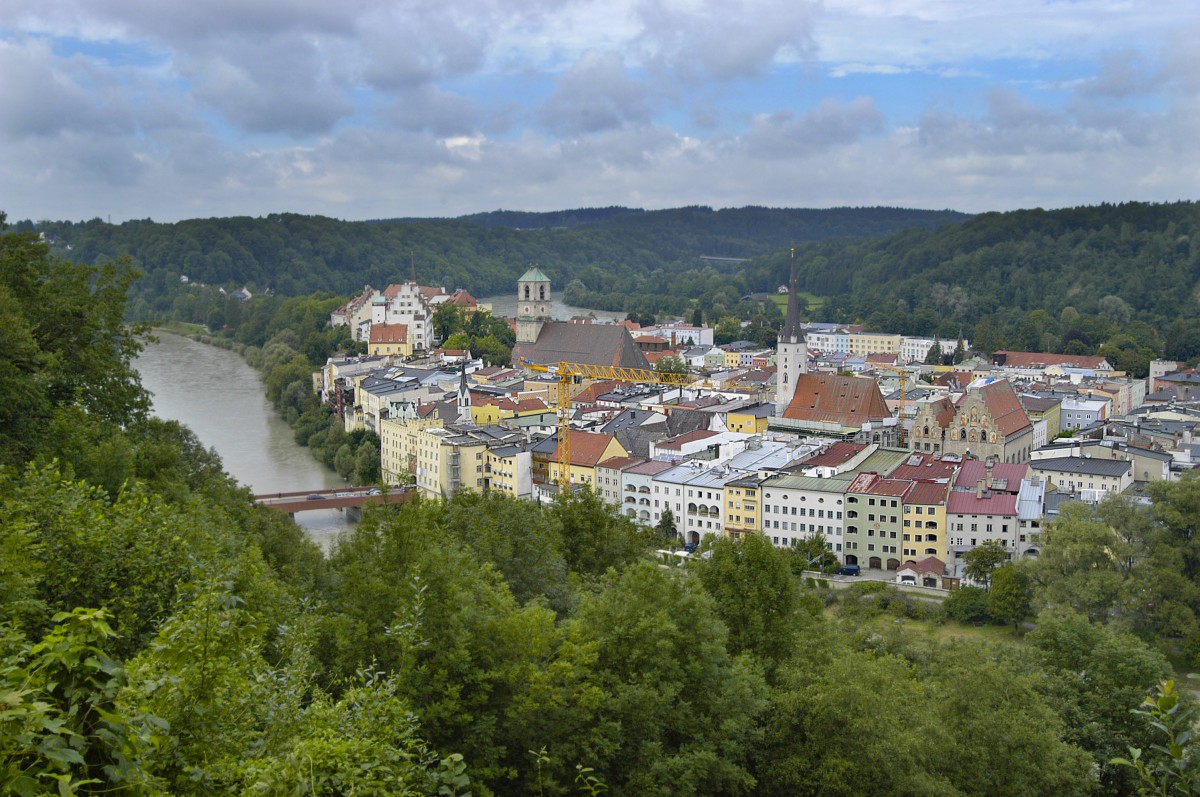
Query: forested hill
[[1027, 279], [294, 254]]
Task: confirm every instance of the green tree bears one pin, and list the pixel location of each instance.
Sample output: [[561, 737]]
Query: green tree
[[1010, 598], [754, 592], [934, 355], [983, 559], [671, 364]]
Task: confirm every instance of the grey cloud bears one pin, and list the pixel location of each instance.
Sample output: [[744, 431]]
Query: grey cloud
[[281, 84], [596, 94], [830, 124], [1122, 74], [428, 108], [724, 40], [43, 96]]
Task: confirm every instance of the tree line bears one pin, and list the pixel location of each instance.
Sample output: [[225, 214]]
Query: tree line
[[162, 634]]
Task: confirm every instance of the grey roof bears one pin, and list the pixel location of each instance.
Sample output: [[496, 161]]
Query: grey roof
[[588, 344], [633, 418], [1083, 465]]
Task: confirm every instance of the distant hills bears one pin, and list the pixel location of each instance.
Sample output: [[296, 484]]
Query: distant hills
[[1027, 279]]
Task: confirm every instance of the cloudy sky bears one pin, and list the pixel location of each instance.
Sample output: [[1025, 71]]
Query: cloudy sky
[[359, 109]]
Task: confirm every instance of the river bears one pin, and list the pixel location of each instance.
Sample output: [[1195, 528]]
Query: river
[[218, 396], [505, 306]]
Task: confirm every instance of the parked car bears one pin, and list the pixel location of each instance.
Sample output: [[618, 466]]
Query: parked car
[[848, 570], [314, 497], [690, 547]]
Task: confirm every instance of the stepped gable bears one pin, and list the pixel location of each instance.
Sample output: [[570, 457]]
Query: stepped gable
[[828, 398], [1004, 405], [588, 344]]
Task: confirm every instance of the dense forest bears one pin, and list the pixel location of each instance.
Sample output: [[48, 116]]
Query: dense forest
[[1119, 280], [162, 634]]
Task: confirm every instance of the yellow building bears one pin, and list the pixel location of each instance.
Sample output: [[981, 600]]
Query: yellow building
[[925, 520], [743, 507], [588, 449], [749, 420], [389, 339], [398, 445], [865, 344], [509, 471]]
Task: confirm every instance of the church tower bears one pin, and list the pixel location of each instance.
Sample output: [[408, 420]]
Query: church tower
[[791, 354], [464, 397], [533, 304]]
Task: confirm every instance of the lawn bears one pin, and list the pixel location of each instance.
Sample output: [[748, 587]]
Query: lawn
[[815, 303]]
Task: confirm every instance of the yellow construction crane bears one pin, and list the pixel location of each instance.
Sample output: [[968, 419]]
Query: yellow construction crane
[[904, 376], [573, 373]]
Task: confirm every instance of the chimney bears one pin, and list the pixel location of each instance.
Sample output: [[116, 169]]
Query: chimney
[[989, 463], [979, 489]]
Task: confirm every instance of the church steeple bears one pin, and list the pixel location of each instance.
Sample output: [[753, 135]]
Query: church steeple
[[533, 304], [791, 353], [464, 397]]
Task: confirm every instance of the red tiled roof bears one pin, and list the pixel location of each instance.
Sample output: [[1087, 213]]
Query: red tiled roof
[[965, 502], [837, 454], [927, 493], [972, 470], [926, 467], [461, 298], [930, 564], [1004, 405], [588, 447], [882, 357], [845, 400], [389, 333], [896, 487], [1037, 359], [621, 463]]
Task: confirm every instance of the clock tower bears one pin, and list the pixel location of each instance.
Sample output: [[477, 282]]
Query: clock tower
[[533, 304]]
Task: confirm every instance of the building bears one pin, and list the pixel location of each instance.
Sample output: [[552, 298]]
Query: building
[[389, 339], [924, 505], [1091, 478], [791, 352], [797, 507], [742, 507], [833, 406], [545, 342], [867, 343], [874, 534], [988, 422], [982, 506]]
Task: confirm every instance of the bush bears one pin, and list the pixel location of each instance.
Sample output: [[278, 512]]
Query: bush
[[968, 605]]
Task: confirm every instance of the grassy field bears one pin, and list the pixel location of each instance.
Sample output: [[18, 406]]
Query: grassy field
[[815, 303]]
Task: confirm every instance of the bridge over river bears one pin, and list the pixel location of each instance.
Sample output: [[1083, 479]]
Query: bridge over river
[[340, 498]]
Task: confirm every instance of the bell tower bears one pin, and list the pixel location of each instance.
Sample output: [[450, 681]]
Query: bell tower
[[792, 349], [533, 304]]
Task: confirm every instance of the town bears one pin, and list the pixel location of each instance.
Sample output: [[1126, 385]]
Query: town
[[900, 453]]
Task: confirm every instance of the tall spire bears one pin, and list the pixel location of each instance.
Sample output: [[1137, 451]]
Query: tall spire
[[464, 395], [791, 331]]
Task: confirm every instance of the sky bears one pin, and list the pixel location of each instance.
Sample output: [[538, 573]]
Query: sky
[[357, 109]]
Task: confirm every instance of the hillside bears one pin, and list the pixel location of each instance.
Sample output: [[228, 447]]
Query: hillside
[[485, 254]]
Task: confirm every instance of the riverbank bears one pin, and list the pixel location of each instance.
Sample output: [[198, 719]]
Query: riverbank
[[215, 393]]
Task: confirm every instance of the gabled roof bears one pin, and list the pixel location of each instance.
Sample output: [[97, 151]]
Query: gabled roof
[[845, 400], [927, 467], [587, 448], [621, 463], [677, 443], [389, 333], [589, 344], [837, 454], [1004, 406], [926, 493], [943, 411], [461, 298], [930, 564], [1006, 476]]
